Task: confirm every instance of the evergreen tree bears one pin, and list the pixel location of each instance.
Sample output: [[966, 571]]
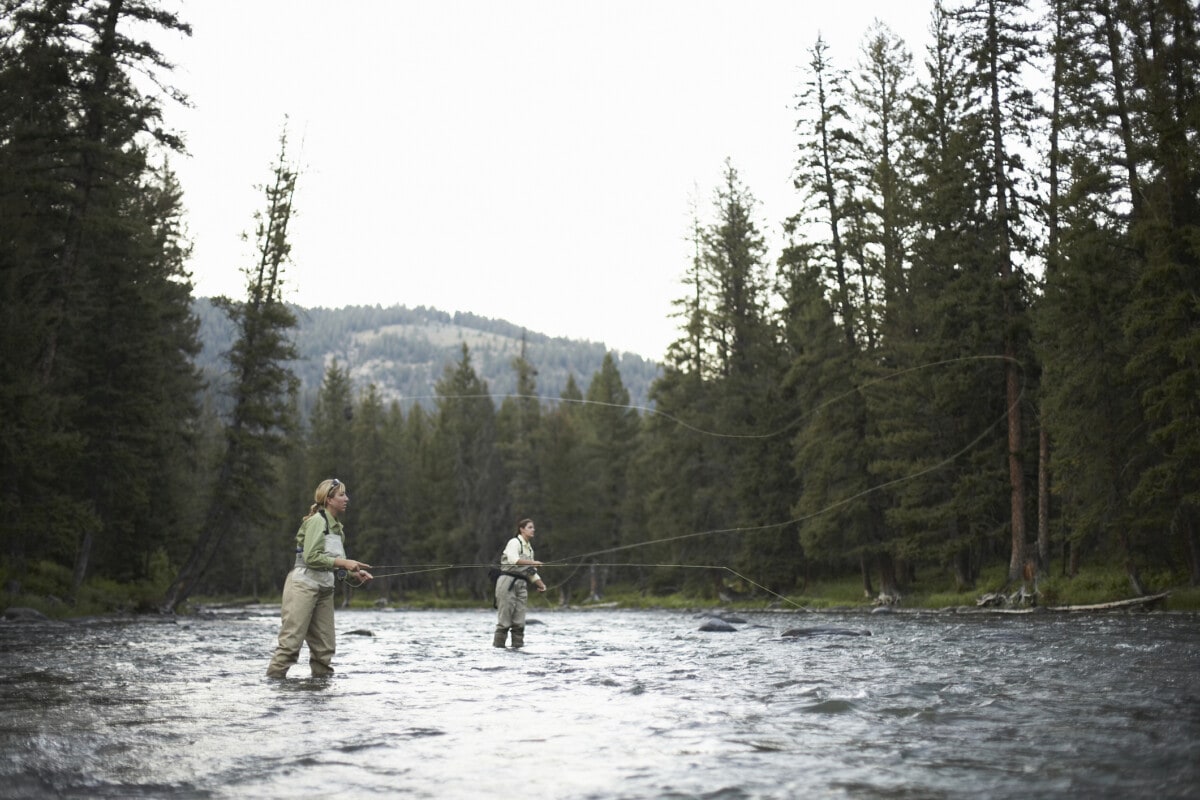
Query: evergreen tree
[[563, 471], [466, 428], [428, 499], [331, 448], [138, 388], [1000, 40], [828, 175], [1163, 319], [935, 409], [1087, 282], [90, 245], [519, 424], [262, 398], [376, 477], [609, 427], [831, 527]]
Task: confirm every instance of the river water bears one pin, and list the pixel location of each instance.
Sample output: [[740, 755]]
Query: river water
[[606, 704]]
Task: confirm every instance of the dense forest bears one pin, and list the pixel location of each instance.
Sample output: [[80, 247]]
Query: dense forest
[[978, 353]]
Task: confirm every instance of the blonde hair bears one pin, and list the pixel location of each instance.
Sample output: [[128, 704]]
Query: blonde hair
[[325, 489]]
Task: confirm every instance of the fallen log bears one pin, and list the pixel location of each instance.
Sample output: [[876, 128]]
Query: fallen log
[[1133, 602]]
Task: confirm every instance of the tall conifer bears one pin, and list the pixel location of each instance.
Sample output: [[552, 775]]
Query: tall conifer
[[262, 393]]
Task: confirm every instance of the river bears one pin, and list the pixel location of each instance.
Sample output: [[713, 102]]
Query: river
[[606, 704]]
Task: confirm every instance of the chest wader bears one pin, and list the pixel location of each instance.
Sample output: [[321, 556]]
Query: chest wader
[[499, 638], [306, 613]]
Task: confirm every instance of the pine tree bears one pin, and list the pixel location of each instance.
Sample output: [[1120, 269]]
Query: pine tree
[[331, 450], [519, 423], [609, 429], [833, 225], [1000, 40], [466, 428], [428, 499], [263, 391], [90, 246], [138, 387], [563, 483], [933, 402], [1163, 320]]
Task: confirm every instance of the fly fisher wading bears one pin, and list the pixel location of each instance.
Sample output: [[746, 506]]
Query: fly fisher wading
[[306, 608], [496, 571]]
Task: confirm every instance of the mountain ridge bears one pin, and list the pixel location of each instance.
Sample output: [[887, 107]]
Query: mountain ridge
[[405, 351]]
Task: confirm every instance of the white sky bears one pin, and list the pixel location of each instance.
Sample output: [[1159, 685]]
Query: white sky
[[534, 161]]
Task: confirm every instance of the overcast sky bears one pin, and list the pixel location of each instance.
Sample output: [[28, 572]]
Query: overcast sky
[[534, 161]]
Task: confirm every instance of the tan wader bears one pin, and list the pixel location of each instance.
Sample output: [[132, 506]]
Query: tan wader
[[307, 616], [512, 596]]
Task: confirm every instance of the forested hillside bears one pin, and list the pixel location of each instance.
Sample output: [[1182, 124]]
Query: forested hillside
[[404, 352], [974, 367]]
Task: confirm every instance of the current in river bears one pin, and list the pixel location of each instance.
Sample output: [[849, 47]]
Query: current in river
[[606, 703]]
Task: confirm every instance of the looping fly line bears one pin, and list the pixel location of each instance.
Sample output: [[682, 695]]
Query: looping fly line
[[719, 434], [583, 559]]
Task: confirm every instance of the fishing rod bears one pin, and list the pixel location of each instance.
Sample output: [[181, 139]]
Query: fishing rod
[[578, 564]]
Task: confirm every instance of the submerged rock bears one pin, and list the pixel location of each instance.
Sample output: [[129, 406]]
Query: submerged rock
[[799, 633], [716, 625]]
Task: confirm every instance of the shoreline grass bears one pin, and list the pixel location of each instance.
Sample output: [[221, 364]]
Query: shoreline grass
[[927, 593]]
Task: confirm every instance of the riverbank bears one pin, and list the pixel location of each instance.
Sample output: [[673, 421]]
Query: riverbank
[[1089, 590]]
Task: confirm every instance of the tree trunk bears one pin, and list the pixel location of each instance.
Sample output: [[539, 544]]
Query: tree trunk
[[1193, 540], [888, 585], [964, 581], [868, 590], [1043, 533], [81, 563], [208, 542]]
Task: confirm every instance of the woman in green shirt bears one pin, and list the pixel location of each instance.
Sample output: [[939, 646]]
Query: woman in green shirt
[[306, 612]]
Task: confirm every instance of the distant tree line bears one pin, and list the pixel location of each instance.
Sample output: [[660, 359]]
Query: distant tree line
[[403, 350], [980, 347]]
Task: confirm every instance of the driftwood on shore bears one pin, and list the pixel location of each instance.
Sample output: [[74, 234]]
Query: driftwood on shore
[[994, 604], [1133, 602]]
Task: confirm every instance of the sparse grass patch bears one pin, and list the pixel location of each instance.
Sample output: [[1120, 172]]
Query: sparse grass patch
[[1184, 598]]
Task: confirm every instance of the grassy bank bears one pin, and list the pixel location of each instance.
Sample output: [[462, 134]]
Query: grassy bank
[[47, 586]]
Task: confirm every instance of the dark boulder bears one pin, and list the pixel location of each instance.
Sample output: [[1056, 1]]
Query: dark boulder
[[801, 633], [716, 625]]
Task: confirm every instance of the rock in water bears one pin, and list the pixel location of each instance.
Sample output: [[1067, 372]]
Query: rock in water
[[717, 625], [797, 633]]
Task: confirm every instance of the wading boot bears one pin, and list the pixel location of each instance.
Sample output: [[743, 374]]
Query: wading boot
[[501, 635], [518, 636]]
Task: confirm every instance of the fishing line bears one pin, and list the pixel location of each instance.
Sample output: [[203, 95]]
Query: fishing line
[[719, 434], [838, 503], [580, 560]]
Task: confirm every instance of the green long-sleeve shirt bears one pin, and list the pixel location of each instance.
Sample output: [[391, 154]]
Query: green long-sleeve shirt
[[316, 551]]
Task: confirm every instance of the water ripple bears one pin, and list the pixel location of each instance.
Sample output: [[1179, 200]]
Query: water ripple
[[607, 704]]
